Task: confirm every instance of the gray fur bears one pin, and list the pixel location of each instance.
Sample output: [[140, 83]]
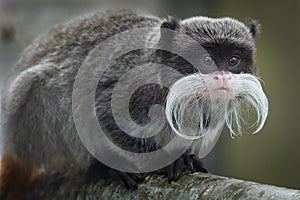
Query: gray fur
[[36, 102], [218, 31]]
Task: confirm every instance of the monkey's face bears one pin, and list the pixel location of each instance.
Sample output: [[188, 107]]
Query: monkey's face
[[223, 77], [223, 64]]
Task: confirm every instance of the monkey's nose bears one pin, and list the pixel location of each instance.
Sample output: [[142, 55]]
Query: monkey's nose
[[223, 79]]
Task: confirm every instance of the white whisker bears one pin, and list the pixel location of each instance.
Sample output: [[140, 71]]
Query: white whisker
[[193, 109]]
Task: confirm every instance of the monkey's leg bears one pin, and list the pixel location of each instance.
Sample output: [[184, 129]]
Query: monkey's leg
[[186, 162], [98, 170]]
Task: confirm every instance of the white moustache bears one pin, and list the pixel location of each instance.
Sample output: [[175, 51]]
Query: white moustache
[[198, 106]]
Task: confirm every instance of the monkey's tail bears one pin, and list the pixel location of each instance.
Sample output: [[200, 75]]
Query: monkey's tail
[[15, 177]]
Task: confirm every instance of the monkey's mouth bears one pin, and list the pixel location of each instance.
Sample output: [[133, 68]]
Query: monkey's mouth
[[223, 88], [219, 93], [218, 89]]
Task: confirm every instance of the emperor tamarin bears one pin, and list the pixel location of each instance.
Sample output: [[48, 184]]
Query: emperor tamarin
[[180, 79]]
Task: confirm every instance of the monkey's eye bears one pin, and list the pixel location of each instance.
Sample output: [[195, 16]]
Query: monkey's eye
[[207, 60], [234, 61]]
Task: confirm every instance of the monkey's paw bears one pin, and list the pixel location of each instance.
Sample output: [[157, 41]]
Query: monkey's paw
[[186, 162], [130, 180]]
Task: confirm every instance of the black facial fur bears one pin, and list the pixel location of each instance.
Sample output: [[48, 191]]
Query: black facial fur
[[222, 39], [222, 53]]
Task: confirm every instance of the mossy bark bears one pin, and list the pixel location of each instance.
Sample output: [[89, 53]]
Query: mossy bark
[[191, 186]]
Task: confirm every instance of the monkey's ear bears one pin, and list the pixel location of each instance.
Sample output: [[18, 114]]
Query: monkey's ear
[[168, 31], [254, 27], [170, 23]]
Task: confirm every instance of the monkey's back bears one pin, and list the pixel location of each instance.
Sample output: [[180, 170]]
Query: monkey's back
[[37, 99]]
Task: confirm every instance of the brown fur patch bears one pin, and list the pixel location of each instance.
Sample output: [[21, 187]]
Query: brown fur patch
[[15, 177]]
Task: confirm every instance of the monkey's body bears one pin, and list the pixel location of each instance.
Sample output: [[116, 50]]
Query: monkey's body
[[37, 100], [41, 129]]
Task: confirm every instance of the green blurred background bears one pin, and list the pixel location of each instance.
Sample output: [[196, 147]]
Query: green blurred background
[[271, 156]]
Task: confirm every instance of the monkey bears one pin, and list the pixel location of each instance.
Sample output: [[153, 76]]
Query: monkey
[[205, 70]]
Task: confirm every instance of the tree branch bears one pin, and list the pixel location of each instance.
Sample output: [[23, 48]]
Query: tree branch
[[190, 186]]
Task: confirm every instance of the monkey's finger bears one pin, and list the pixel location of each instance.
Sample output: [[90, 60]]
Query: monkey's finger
[[128, 181], [114, 175], [188, 162], [137, 177], [170, 172], [123, 177], [178, 168], [198, 166]]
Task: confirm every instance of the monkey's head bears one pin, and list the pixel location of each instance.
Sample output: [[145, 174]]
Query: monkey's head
[[222, 76], [228, 45]]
